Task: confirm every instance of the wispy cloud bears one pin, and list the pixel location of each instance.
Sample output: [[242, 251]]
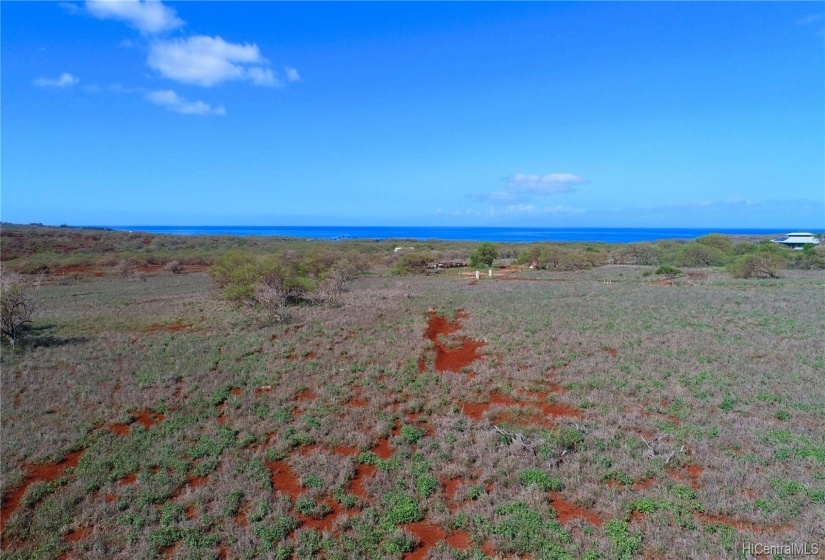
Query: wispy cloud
[[64, 80], [811, 18], [551, 183], [207, 61], [292, 74], [172, 101], [523, 187], [147, 16]]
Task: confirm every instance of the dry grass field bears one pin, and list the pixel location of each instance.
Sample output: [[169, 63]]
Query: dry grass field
[[538, 414]]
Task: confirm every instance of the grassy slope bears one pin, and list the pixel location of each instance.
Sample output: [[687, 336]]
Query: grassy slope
[[728, 374]]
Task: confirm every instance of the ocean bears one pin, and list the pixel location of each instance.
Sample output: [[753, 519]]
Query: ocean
[[501, 234]]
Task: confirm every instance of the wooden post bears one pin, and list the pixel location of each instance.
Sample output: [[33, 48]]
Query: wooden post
[[477, 274]]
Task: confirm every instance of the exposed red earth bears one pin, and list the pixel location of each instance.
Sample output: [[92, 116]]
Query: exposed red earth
[[476, 411], [35, 473], [567, 511], [382, 449], [146, 418], [169, 327], [428, 534], [128, 479], [446, 358], [362, 472], [283, 479]]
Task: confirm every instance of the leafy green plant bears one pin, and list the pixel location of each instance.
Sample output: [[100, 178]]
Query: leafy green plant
[[541, 479]]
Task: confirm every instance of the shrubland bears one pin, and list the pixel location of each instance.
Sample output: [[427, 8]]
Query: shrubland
[[600, 415]]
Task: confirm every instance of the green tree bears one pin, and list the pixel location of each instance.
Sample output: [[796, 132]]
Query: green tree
[[484, 255]]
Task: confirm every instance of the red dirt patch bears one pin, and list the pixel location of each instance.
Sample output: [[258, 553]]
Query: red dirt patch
[[35, 473], [690, 475], [362, 472], [664, 282], [476, 411], [460, 540], [356, 402], [128, 479], [78, 534], [240, 519], [263, 389], [428, 534], [643, 484], [554, 410], [169, 327], [612, 351], [148, 418], [304, 395], [346, 451], [118, 429], [325, 523], [567, 511], [283, 479], [742, 525], [450, 359], [237, 391], [451, 486], [382, 448]]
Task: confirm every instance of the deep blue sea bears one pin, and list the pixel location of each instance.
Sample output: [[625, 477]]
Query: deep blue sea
[[502, 234]]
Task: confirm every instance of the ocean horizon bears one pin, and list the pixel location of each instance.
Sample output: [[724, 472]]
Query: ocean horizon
[[422, 233]]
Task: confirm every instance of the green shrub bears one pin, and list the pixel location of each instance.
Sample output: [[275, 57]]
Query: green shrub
[[757, 265], [624, 543], [401, 508], [483, 256], [540, 478]]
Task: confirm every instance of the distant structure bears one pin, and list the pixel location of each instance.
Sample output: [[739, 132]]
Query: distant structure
[[797, 240], [397, 249]]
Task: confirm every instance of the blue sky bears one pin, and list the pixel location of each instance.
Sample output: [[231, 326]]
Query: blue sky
[[685, 114]]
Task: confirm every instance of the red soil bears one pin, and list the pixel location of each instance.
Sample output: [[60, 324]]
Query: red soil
[[460, 540], [193, 482], [612, 351], [643, 484], [35, 473], [240, 519], [522, 418], [346, 451], [78, 534], [450, 359], [160, 327], [80, 269], [357, 402], [691, 475], [383, 449], [476, 411], [305, 395], [428, 534], [451, 487], [148, 418], [362, 472], [664, 282], [237, 391], [283, 479], [222, 420], [742, 525], [128, 479], [118, 429], [554, 410], [263, 389], [325, 523], [190, 511], [567, 511]]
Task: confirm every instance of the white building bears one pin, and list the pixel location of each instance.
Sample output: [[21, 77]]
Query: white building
[[797, 239]]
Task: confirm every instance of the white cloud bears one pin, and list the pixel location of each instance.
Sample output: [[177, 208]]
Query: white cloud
[[148, 16], [810, 18], [172, 101], [292, 74], [543, 184], [64, 80], [535, 209], [206, 61], [522, 187]]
